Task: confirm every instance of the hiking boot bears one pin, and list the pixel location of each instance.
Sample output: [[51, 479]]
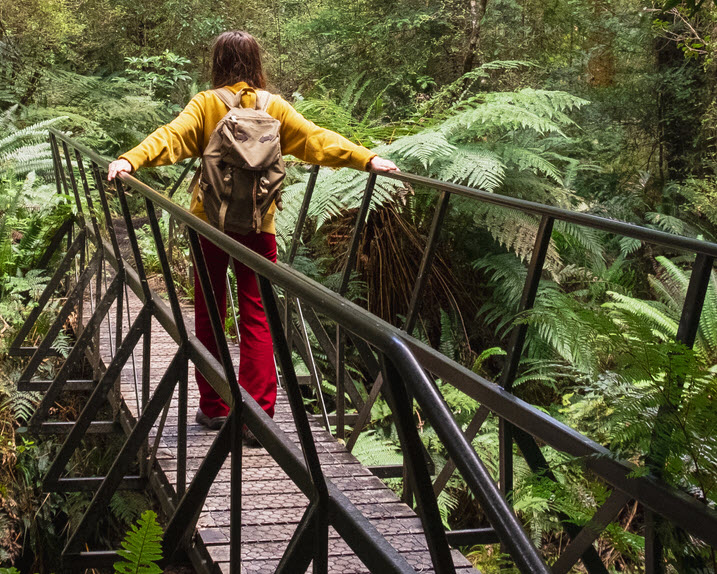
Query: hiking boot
[[212, 423], [248, 438]]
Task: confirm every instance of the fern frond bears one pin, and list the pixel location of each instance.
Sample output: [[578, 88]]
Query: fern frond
[[528, 159], [474, 167], [646, 310], [426, 148], [372, 450], [142, 547]]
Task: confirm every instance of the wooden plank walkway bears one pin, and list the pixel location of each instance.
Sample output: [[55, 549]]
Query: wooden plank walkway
[[272, 504]]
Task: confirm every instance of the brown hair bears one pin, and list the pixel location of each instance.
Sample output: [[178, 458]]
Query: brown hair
[[236, 57]]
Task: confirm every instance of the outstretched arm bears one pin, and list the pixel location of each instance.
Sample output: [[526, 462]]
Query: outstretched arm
[[309, 142], [169, 144]]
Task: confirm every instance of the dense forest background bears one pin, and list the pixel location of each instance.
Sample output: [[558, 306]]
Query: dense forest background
[[601, 106]]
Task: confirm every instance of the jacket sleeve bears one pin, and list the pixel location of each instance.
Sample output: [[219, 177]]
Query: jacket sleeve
[[180, 139], [310, 143]]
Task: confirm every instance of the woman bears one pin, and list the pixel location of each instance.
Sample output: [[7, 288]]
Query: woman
[[236, 64]]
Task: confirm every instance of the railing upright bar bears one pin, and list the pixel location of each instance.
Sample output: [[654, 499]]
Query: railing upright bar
[[236, 418], [99, 186], [237, 461], [294, 247], [303, 212], [81, 222], [474, 472], [73, 184], [100, 249], [98, 299], [182, 406], [399, 398], [62, 184], [147, 329], [115, 249], [340, 387], [301, 419], [134, 244], [515, 347], [182, 403], [313, 369], [166, 270], [213, 310], [88, 196], [686, 334], [527, 300], [424, 270], [55, 160], [356, 237], [146, 362], [182, 177], [59, 170]]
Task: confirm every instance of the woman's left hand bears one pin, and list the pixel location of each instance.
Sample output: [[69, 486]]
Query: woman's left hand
[[381, 164]]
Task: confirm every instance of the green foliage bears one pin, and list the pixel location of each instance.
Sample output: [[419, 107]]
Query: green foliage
[[142, 547], [343, 115], [162, 76], [25, 150]]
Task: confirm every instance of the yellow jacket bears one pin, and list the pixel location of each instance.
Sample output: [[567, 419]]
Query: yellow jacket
[[188, 134]]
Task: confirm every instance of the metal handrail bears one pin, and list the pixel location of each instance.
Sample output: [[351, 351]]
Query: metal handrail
[[408, 360], [616, 226]]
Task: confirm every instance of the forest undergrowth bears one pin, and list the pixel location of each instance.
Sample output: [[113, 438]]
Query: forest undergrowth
[[602, 106]]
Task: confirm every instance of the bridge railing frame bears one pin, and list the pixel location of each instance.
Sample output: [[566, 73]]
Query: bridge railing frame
[[402, 369]]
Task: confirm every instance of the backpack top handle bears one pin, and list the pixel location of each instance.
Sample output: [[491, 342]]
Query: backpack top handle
[[232, 100]]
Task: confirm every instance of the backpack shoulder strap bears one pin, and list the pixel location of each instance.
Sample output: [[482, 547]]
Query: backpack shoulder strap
[[262, 100], [228, 97]]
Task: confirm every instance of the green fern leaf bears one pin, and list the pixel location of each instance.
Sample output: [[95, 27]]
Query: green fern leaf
[[142, 547]]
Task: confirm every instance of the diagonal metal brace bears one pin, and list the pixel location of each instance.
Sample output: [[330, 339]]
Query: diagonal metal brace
[[128, 452], [44, 347], [114, 370], [76, 354], [53, 284]]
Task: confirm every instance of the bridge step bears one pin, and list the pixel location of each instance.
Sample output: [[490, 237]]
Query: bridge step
[[91, 559], [131, 482], [96, 427], [349, 419], [70, 385], [30, 351], [471, 536], [387, 470]]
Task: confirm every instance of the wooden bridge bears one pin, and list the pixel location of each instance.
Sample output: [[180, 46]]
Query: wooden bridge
[[272, 505], [303, 500]]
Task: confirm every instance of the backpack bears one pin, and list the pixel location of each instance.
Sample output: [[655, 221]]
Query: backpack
[[242, 166]]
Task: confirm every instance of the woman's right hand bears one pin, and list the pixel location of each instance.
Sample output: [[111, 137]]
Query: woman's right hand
[[118, 166]]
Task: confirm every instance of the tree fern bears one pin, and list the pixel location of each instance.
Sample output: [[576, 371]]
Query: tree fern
[[142, 547], [336, 192], [341, 114], [670, 284], [23, 150], [426, 148], [475, 167]]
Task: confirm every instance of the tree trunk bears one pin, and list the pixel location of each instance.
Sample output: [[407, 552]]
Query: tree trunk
[[478, 8]]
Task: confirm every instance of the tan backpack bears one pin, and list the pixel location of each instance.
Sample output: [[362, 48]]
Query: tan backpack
[[242, 166]]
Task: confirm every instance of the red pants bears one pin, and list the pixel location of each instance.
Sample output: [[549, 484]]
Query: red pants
[[257, 373]]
